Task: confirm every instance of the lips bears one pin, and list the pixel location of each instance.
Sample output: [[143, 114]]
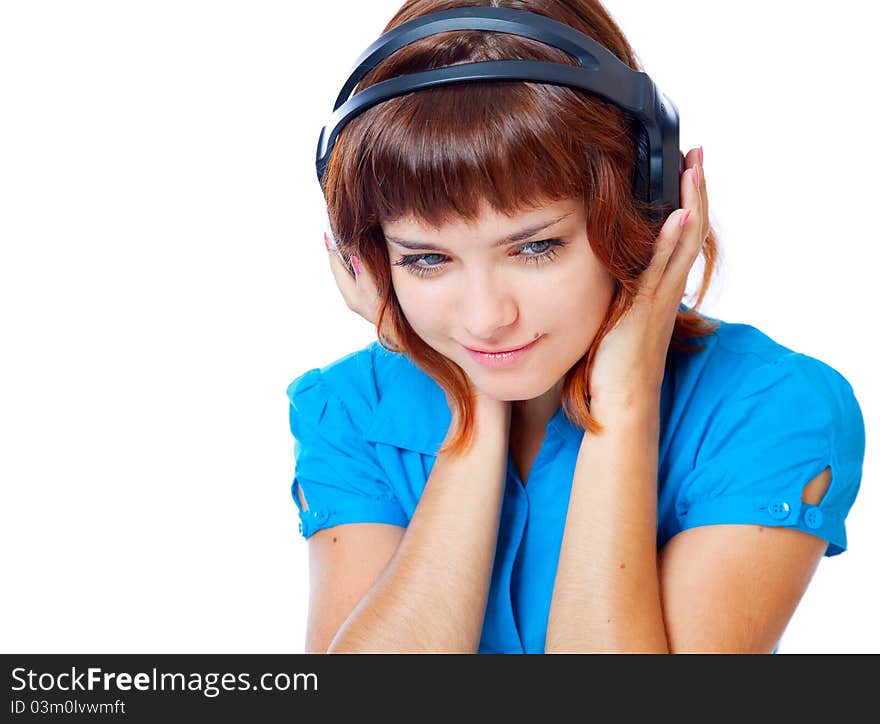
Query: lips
[[499, 351], [507, 358]]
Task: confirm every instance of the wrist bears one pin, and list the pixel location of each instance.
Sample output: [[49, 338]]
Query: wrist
[[628, 406], [491, 413]]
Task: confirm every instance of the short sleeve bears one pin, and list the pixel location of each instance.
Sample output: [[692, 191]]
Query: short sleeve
[[788, 421], [336, 469]]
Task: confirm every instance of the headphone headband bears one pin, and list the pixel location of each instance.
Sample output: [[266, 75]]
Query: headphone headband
[[598, 72]]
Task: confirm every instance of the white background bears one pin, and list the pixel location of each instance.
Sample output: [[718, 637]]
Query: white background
[[163, 279]]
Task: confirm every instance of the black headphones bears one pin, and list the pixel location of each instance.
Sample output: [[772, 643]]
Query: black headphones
[[658, 163]]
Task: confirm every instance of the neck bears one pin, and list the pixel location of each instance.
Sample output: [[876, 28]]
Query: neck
[[534, 414]]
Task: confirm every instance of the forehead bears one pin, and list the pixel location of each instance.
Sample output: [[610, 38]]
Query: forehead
[[488, 219]]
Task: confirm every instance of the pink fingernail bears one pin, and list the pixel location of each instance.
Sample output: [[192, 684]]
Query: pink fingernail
[[701, 155], [684, 219], [326, 241], [357, 266]]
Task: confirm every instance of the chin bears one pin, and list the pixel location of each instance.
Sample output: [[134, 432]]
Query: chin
[[515, 390]]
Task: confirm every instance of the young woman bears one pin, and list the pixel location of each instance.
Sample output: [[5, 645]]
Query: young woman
[[545, 450]]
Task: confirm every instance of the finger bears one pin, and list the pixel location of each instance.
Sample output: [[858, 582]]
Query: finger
[[692, 159], [667, 241], [673, 238], [704, 197], [690, 240], [358, 290], [333, 249], [367, 287], [688, 162], [345, 280]]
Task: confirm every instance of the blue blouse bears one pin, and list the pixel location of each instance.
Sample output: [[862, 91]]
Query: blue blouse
[[745, 424]]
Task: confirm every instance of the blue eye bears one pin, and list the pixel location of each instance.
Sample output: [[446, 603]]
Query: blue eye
[[547, 251]]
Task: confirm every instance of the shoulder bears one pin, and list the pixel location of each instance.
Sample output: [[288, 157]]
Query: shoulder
[[357, 380], [739, 362], [332, 409], [748, 423], [383, 394]]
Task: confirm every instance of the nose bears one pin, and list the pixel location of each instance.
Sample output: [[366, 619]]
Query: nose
[[486, 308]]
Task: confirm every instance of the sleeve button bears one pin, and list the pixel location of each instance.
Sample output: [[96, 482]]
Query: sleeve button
[[779, 509], [813, 518]]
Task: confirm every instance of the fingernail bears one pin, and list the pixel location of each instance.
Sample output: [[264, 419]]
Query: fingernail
[[696, 177], [701, 155], [326, 241], [356, 265], [684, 219]]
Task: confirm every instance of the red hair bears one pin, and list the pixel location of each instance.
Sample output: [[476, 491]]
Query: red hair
[[437, 155]]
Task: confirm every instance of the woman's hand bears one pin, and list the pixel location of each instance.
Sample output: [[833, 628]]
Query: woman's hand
[[487, 409], [629, 364], [359, 291]]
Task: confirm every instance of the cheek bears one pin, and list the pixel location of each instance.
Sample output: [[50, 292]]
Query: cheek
[[581, 293], [419, 302], [408, 294]]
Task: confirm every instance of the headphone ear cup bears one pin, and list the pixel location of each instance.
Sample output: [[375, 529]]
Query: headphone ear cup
[[642, 169]]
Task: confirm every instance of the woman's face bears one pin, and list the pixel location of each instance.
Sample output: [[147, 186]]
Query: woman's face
[[461, 288]]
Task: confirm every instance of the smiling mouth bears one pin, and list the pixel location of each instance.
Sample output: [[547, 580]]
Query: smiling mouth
[[509, 358], [500, 351]]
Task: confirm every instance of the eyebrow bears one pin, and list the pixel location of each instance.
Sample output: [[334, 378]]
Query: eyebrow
[[518, 236]]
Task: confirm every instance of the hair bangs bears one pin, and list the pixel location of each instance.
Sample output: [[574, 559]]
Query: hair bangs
[[446, 152]]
